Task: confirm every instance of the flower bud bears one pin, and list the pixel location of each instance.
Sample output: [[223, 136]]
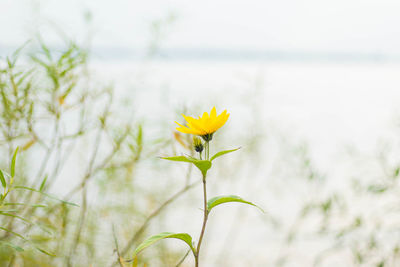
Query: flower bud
[[198, 146]]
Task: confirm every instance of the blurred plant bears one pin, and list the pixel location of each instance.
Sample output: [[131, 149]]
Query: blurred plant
[[353, 223], [205, 127], [10, 210], [49, 107]]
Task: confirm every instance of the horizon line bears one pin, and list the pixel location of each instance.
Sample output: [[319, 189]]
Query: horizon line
[[125, 53]]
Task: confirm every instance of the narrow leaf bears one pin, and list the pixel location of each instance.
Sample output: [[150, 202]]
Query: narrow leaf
[[17, 248], [14, 233], [47, 195], [215, 201], [219, 154], [24, 204], [179, 158], [44, 251], [25, 220], [3, 180], [23, 238], [13, 162], [15, 216], [139, 137], [377, 189], [151, 240], [43, 184], [202, 165]]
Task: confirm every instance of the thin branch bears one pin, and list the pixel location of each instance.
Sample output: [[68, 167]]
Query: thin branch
[[79, 227], [183, 258], [117, 247], [143, 227], [99, 167]]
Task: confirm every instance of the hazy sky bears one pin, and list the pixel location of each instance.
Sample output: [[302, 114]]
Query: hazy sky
[[299, 25]]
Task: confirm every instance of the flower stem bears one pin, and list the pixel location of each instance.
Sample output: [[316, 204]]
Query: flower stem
[[205, 217], [207, 150], [203, 228]]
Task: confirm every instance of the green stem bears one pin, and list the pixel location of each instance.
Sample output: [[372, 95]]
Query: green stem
[[205, 216], [207, 150], [203, 228]]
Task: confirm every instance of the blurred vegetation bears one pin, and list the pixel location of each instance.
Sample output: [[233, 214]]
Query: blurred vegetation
[[64, 124], [62, 132], [353, 221]]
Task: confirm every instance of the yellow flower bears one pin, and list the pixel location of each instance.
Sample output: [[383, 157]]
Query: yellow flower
[[204, 126]]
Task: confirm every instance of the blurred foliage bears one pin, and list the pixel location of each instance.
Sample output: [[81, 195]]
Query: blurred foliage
[[65, 124], [352, 222], [72, 133]]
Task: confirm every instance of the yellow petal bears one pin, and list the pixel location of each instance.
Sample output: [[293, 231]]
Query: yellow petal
[[219, 121], [180, 124], [213, 113], [193, 123], [205, 116], [223, 120], [182, 128]]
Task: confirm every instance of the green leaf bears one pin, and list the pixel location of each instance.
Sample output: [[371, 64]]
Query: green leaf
[[151, 240], [17, 248], [3, 180], [25, 220], [202, 165], [14, 233], [23, 238], [377, 189], [24, 204], [179, 158], [215, 201], [13, 162], [43, 184], [219, 154], [47, 195], [139, 137], [44, 251], [15, 216]]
